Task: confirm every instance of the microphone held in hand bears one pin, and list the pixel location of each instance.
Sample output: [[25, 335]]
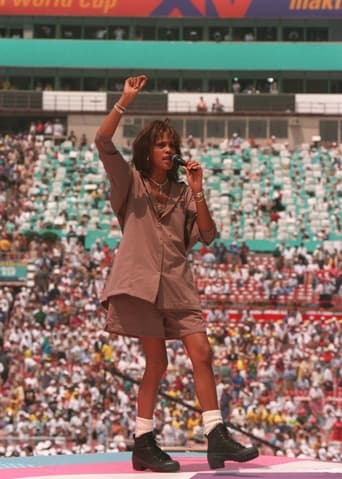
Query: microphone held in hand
[[178, 159]]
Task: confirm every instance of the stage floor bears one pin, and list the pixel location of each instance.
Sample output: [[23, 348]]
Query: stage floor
[[193, 466]]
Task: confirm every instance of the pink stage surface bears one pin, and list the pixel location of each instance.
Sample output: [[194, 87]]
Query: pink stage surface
[[193, 466]]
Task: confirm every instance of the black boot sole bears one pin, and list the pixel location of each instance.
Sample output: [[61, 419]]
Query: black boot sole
[[216, 461], [140, 465]]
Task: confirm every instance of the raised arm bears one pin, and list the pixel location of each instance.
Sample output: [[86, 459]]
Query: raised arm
[[118, 170], [132, 86]]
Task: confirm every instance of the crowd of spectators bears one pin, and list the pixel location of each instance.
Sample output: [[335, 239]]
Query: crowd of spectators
[[290, 275], [271, 192], [68, 387]]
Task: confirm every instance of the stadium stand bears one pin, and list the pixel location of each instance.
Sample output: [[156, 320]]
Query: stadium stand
[[276, 347], [270, 286]]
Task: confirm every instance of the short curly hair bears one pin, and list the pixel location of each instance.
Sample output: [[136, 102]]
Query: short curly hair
[[148, 137]]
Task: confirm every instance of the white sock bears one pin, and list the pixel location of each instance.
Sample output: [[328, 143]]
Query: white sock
[[211, 419], [142, 426]]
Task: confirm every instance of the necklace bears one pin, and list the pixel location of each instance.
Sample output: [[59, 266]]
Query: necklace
[[159, 185], [159, 207]]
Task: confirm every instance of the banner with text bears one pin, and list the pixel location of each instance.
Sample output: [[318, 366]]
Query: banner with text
[[13, 271], [176, 8]]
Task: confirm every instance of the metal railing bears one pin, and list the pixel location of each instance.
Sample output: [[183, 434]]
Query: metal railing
[[21, 100], [29, 100], [176, 400]]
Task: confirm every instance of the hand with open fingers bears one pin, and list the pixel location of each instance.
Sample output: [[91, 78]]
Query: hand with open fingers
[[194, 174]]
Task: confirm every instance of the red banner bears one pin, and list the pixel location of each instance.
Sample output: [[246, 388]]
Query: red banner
[[176, 8], [127, 8], [274, 315]]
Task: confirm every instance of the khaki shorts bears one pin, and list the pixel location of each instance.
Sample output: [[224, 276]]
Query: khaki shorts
[[131, 316]]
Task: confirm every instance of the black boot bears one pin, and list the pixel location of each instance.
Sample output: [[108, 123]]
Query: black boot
[[147, 455], [222, 447]]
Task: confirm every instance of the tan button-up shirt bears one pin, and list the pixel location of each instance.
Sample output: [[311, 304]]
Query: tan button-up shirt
[[151, 262]]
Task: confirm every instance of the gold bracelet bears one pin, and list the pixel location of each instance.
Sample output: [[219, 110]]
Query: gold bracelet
[[116, 108], [120, 106], [120, 109], [200, 194], [199, 200]]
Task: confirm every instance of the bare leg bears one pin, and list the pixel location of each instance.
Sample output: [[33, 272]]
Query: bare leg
[[146, 453], [221, 446], [198, 348], [156, 364]]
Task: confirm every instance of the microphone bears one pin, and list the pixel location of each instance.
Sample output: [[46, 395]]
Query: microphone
[[178, 159]]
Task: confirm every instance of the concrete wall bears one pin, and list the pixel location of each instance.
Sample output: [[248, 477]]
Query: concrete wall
[[300, 129], [84, 123]]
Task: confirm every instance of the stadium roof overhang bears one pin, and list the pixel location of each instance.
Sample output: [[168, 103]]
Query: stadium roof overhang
[[148, 55]]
